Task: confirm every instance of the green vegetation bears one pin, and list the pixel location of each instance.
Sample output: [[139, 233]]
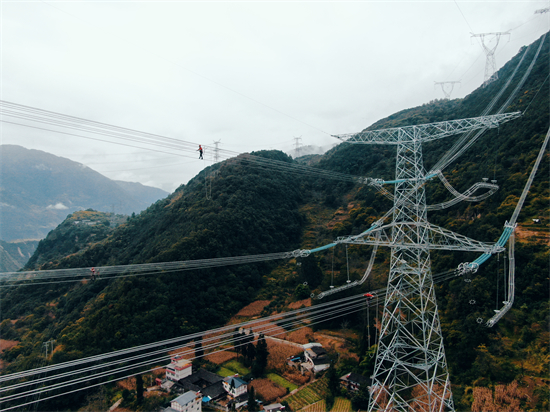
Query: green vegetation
[[254, 210], [308, 395], [225, 372], [74, 235], [279, 380], [342, 405], [237, 367]]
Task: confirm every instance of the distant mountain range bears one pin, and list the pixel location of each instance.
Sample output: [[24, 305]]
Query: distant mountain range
[[38, 190], [14, 255], [265, 210]]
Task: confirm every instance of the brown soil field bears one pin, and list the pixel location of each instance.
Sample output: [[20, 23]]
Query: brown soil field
[[296, 377], [221, 357], [128, 383], [7, 344], [278, 353], [299, 303], [537, 233], [269, 329], [302, 336], [269, 390], [187, 351], [254, 309]]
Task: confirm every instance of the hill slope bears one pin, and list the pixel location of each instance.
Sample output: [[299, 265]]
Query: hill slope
[[253, 210], [39, 190], [14, 255]]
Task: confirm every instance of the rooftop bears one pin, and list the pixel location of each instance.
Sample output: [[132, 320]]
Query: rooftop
[[186, 398], [354, 377], [235, 381]]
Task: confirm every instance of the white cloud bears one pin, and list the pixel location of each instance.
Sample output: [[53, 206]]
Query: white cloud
[[57, 206]]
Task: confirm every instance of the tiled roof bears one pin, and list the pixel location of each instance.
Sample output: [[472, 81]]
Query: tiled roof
[[185, 398], [354, 377], [214, 391], [318, 351], [199, 380], [235, 381]]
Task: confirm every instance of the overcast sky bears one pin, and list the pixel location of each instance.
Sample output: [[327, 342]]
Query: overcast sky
[[253, 75]]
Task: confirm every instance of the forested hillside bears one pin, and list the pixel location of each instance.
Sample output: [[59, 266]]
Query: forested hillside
[[234, 208]]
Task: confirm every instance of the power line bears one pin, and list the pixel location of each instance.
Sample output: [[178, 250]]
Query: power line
[[131, 136], [292, 320]]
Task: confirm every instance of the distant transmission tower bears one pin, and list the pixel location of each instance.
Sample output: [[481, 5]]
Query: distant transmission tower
[[411, 372], [298, 139], [490, 66], [46, 344], [447, 92], [540, 11], [217, 151]]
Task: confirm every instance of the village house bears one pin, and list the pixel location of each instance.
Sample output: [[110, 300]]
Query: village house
[[353, 381], [188, 402], [274, 407], [209, 384], [316, 358], [178, 369], [235, 386]]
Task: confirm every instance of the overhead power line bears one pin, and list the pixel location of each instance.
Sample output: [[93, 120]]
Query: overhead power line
[[143, 358], [130, 137]]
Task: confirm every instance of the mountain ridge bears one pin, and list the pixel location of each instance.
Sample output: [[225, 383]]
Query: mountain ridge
[[255, 210], [39, 189]]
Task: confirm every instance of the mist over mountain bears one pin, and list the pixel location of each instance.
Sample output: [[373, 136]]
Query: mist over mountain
[[310, 150], [38, 190]]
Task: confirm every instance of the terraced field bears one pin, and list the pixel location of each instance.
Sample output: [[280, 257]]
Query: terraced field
[[341, 405], [309, 395], [282, 381], [320, 406]]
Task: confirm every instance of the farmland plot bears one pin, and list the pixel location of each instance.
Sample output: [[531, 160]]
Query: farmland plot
[[309, 395], [282, 381], [320, 406], [237, 366], [341, 405], [268, 389]]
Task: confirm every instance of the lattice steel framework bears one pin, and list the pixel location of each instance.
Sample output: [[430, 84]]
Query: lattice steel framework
[[491, 73], [447, 91], [411, 369]]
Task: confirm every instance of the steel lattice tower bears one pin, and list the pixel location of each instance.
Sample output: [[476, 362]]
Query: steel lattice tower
[[411, 371], [491, 73], [447, 92]]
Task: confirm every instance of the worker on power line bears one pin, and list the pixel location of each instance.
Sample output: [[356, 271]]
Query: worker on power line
[[200, 151]]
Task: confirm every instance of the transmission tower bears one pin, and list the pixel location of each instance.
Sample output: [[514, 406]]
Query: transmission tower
[[445, 91], [540, 11], [490, 66], [217, 151], [411, 369], [46, 344], [298, 139]]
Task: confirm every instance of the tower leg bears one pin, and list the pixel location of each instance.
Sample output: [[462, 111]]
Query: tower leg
[[411, 371]]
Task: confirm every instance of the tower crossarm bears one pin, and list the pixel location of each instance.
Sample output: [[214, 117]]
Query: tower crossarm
[[428, 131], [440, 238]]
